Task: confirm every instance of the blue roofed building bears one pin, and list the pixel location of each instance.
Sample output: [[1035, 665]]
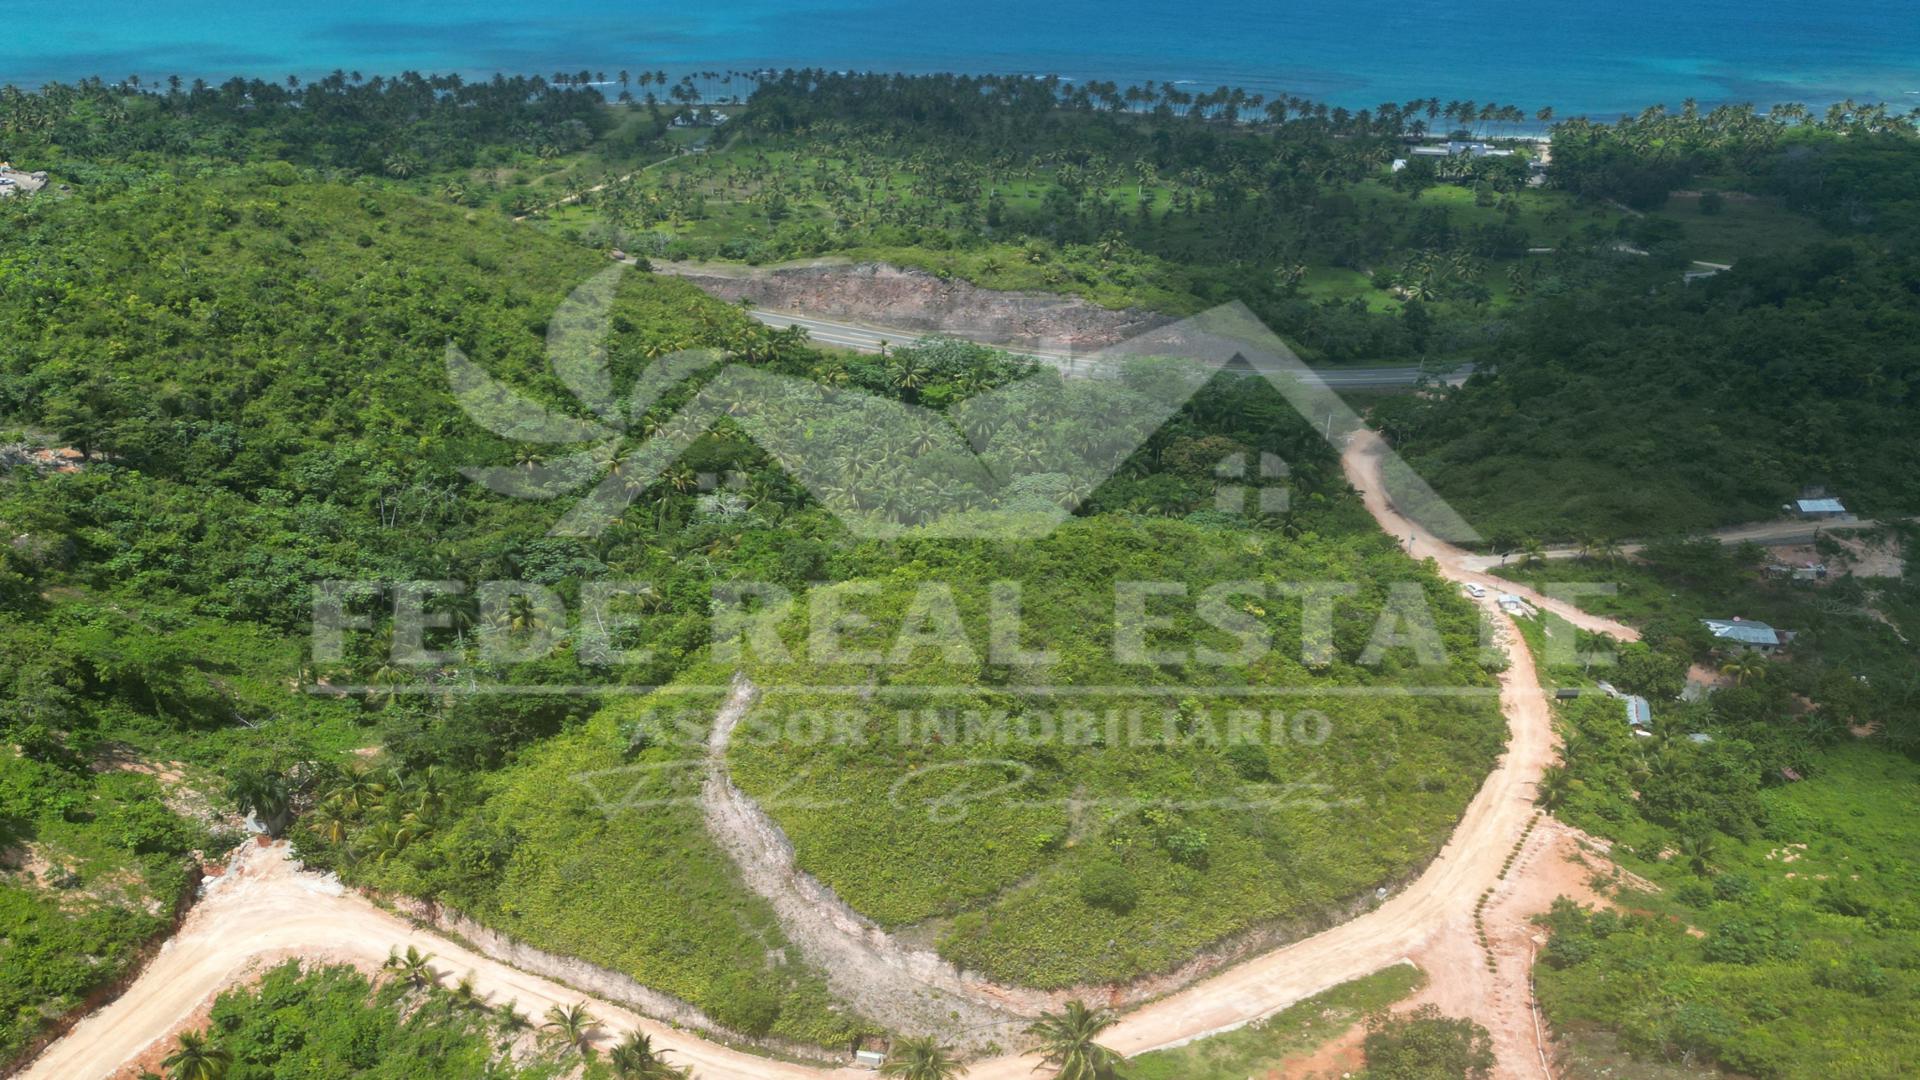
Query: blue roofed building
[[1746, 633], [1639, 713], [1819, 508]]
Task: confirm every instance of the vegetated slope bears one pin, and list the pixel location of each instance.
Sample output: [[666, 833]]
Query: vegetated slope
[[1625, 411], [1051, 854], [253, 361], [91, 868], [1772, 814]]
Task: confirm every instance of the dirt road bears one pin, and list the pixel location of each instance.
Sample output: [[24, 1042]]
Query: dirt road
[[1365, 455], [1765, 533], [265, 908]]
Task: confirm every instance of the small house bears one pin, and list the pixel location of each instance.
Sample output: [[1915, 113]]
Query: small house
[[1819, 509], [1639, 713], [1515, 606], [1746, 634]]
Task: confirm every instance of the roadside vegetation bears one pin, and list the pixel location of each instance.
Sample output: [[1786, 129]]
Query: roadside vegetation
[[92, 869], [306, 1020], [1769, 925], [1293, 1032]]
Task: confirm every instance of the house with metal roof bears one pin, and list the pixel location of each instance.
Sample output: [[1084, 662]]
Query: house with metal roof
[[1745, 633], [1819, 508], [1639, 713]]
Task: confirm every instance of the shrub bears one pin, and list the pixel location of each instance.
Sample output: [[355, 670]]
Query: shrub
[[1250, 761], [1423, 1045], [1109, 886], [745, 1003]]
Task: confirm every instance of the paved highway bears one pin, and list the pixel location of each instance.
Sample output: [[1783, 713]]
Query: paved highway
[[848, 335]]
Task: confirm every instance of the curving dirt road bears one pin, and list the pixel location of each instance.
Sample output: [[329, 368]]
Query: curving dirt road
[[265, 909], [1364, 459]]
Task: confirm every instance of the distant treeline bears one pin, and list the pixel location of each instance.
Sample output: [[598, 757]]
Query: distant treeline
[[951, 103], [399, 126]]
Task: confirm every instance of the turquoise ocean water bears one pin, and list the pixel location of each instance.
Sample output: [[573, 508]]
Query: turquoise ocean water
[[1594, 56]]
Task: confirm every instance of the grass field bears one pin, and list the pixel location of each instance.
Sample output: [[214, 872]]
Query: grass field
[[1745, 225]]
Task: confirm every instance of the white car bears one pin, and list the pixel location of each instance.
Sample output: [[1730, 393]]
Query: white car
[[1474, 591]]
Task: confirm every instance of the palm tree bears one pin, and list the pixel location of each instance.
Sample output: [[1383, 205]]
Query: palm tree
[[197, 1059], [920, 1059], [1066, 1043], [1698, 848], [266, 796], [358, 791], [413, 966], [572, 1026], [1553, 787], [1745, 668], [465, 996], [329, 821], [636, 1059], [508, 1015], [1532, 553]]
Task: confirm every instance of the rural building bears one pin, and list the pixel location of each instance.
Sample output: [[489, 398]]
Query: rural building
[[1746, 633], [1459, 148], [1639, 713], [1516, 606], [1819, 509]]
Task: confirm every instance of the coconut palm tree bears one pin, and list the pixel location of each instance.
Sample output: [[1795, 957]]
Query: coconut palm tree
[[634, 1058], [1553, 787], [1533, 553], [1067, 1046], [413, 965], [508, 1015], [329, 821], [358, 790], [464, 996], [266, 796], [1699, 849], [920, 1059], [572, 1026], [1745, 667], [197, 1058]]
